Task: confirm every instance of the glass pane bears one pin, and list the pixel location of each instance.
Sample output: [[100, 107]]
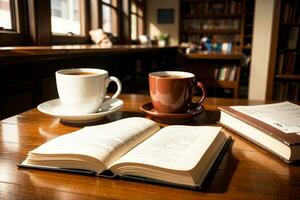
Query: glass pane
[[109, 20], [140, 26], [140, 11], [65, 16], [133, 7], [110, 2], [5, 14], [106, 19], [133, 27], [107, 1]]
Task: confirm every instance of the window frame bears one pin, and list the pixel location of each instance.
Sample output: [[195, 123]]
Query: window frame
[[31, 24], [15, 35], [140, 27], [85, 22], [116, 27]]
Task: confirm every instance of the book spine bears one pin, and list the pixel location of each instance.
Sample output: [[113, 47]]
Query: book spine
[[233, 73], [280, 63], [293, 37]]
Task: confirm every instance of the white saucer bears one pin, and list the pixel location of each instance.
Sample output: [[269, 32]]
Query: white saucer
[[54, 108]]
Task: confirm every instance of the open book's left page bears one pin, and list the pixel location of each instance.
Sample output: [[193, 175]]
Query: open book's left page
[[93, 148]]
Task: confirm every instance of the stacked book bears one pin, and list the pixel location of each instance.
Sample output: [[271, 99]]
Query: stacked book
[[274, 127]]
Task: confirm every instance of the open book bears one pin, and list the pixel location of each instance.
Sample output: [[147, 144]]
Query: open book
[[136, 147]]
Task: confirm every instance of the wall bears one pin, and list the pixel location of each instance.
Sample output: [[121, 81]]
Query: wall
[[153, 28], [261, 49]]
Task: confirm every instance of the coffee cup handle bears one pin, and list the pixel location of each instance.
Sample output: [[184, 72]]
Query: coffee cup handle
[[119, 85], [198, 103]]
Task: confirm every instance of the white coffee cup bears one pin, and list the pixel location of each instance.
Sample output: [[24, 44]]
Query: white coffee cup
[[83, 90]]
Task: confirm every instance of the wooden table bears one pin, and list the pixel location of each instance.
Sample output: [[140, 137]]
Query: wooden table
[[245, 172]]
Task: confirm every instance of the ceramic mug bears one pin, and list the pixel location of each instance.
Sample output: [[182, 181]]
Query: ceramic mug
[[83, 90], [172, 91]]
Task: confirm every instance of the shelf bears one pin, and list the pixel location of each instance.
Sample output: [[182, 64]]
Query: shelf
[[288, 50], [248, 36], [247, 47], [218, 16], [288, 77], [222, 84], [215, 55], [215, 31], [290, 24]]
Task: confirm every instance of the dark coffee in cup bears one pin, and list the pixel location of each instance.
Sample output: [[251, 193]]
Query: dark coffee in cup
[[172, 76], [81, 73], [172, 91]]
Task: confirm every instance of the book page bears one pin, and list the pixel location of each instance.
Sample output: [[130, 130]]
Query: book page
[[105, 142], [284, 116], [173, 147]]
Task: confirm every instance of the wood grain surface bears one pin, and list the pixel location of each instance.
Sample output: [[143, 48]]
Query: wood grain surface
[[245, 172]]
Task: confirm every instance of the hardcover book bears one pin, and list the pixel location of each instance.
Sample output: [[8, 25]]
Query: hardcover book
[[274, 127], [137, 148]]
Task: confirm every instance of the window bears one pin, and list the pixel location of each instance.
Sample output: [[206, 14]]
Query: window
[[109, 16], [137, 18], [11, 31], [67, 17], [5, 14]]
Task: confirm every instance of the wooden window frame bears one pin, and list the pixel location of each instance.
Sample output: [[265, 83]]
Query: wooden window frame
[[115, 6], [32, 23], [85, 21], [16, 35], [140, 23]]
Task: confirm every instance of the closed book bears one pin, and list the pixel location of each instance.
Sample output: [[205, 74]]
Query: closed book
[[274, 127]]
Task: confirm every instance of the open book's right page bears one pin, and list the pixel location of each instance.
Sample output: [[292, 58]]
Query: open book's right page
[[174, 150]]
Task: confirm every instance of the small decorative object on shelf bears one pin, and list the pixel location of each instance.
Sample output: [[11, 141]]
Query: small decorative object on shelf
[[163, 39]]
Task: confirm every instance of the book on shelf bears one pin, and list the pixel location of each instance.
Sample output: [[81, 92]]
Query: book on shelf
[[274, 127], [225, 73], [290, 12], [293, 91], [287, 63], [280, 63], [293, 38], [135, 148], [232, 74], [283, 90]]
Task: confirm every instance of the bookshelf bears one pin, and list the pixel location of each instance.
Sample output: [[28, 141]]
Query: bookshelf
[[247, 35], [248, 17], [285, 64], [217, 70], [222, 21]]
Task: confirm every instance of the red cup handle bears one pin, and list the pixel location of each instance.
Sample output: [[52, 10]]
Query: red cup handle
[[198, 103]]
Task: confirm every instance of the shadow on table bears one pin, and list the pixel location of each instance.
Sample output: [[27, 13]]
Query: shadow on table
[[107, 119], [218, 180]]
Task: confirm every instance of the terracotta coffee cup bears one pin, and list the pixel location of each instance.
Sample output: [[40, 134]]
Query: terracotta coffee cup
[[172, 91]]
